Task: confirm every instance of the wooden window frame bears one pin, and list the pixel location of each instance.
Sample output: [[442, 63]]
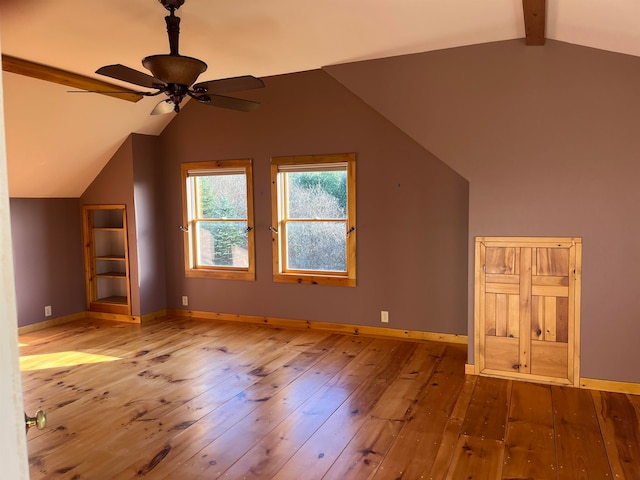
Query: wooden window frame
[[189, 172], [278, 221]]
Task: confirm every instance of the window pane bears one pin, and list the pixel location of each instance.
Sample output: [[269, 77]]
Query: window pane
[[222, 244], [222, 196], [317, 246], [317, 194]]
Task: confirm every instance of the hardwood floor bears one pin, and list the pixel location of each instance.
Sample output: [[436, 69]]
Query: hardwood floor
[[186, 398]]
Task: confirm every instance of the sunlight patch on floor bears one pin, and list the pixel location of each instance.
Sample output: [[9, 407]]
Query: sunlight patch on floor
[[60, 359]]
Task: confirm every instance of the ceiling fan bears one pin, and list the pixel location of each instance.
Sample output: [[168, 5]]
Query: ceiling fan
[[174, 75]]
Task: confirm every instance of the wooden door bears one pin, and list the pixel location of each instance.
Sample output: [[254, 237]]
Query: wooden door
[[13, 440], [527, 308]]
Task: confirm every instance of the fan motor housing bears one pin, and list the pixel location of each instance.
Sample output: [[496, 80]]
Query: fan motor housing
[[174, 68]]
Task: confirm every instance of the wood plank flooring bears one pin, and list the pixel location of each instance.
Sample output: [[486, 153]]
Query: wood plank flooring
[[189, 399]]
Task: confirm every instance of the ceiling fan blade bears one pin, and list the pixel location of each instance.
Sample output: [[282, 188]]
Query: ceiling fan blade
[[126, 74], [234, 84], [165, 106], [231, 103], [64, 77]]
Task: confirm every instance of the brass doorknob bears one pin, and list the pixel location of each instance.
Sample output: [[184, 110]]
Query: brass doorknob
[[39, 421]]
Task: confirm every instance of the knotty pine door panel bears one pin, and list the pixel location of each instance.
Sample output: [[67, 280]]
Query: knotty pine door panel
[[527, 308]]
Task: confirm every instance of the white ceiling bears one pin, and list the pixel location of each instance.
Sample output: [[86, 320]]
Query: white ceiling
[[57, 141]]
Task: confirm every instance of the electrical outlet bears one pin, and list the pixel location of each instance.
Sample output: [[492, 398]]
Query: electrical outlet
[[185, 301], [384, 316], [47, 310]]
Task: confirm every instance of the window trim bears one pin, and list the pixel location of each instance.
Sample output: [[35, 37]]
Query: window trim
[[188, 223], [278, 193]]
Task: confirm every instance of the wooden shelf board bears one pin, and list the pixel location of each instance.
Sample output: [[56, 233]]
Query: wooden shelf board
[[112, 275], [115, 304], [112, 300]]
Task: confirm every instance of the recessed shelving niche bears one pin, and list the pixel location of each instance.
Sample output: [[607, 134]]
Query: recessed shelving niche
[[106, 259]]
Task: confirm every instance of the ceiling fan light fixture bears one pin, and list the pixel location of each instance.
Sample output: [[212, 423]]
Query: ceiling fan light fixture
[[176, 69], [165, 106], [174, 75]]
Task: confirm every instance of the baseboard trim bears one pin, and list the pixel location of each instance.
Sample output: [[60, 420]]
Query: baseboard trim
[[326, 326], [152, 316], [51, 323], [113, 316], [610, 386], [585, 383], [92, 315]]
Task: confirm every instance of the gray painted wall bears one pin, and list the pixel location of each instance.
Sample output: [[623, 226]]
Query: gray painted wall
[[47, 254], [548, 139], [149, 215], [411, 210]]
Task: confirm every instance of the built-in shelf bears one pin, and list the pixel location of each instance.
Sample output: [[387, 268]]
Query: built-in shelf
[[106, 259]]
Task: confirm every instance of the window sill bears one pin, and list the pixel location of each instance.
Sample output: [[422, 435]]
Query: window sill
[[222, 275], [314, 279]]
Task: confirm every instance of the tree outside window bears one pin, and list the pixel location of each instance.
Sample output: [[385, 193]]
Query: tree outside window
[[314, 218], [219, 216]]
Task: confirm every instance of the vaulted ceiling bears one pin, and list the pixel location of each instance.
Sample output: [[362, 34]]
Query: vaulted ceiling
[[58, 141]]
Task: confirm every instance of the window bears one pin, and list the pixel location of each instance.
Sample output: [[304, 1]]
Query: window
[[314, 218], [218, 219]]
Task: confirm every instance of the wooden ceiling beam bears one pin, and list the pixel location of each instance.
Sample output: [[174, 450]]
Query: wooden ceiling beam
[[64, 77], [535, 20]]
